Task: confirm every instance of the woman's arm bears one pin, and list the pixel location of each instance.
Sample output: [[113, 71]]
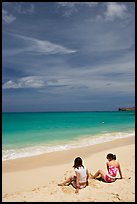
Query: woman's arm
[[120, 172], [107, 166], [87, 176], [87, 173], [77, 182]]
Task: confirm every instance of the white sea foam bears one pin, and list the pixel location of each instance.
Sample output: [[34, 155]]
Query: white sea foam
[[80, 142]]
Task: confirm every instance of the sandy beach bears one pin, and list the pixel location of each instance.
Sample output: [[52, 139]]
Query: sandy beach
[[35, 179]]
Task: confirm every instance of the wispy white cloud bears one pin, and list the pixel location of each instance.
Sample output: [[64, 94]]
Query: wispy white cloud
[[10, 10], [112, 9], [10, 84], [7, 17], [115, 76], [72, 7], [39, 47], [25, 82], [115, 10], [35, 82], [21, 8], [73, 4]]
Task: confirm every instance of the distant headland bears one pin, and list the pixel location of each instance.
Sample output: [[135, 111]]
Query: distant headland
[[127, 109]]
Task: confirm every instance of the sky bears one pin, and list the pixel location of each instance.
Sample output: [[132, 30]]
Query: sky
[[68, 56]]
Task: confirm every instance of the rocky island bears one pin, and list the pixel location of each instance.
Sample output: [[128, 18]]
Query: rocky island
[[127, 109]]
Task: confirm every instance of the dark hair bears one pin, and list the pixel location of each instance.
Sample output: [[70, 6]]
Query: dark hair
[[111, 156], [114, 156], [78, 162]]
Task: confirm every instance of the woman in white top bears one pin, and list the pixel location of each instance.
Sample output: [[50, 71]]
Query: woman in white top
[[81, 179]]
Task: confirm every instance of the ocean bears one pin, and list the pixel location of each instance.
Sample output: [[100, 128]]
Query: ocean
[[30, 134]]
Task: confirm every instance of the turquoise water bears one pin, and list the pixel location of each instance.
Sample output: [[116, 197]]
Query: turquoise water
[[27, 134]]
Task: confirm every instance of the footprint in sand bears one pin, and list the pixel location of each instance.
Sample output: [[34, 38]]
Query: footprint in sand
[[116, 195], [67, 189], [44, 186], [36, 190], [6, 195]]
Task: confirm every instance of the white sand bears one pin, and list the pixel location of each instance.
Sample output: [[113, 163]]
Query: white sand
[[36, 178]]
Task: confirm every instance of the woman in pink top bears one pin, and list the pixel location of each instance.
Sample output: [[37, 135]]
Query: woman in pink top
[[112, 166], [81, 179]]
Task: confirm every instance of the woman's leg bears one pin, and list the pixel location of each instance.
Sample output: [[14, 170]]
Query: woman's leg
[[69, 180], [98, 173]]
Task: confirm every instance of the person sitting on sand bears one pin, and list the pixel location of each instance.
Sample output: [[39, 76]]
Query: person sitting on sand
[[112, 167], [81, 179]]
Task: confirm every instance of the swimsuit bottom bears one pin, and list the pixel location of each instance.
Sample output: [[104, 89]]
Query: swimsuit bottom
[[109, 178], [81, 186]]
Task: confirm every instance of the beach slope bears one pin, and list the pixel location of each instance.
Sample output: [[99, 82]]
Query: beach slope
[[35, 179]]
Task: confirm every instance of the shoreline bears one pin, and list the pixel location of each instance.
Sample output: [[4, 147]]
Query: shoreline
[[36, 178], [57, 158], [86, 141]]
